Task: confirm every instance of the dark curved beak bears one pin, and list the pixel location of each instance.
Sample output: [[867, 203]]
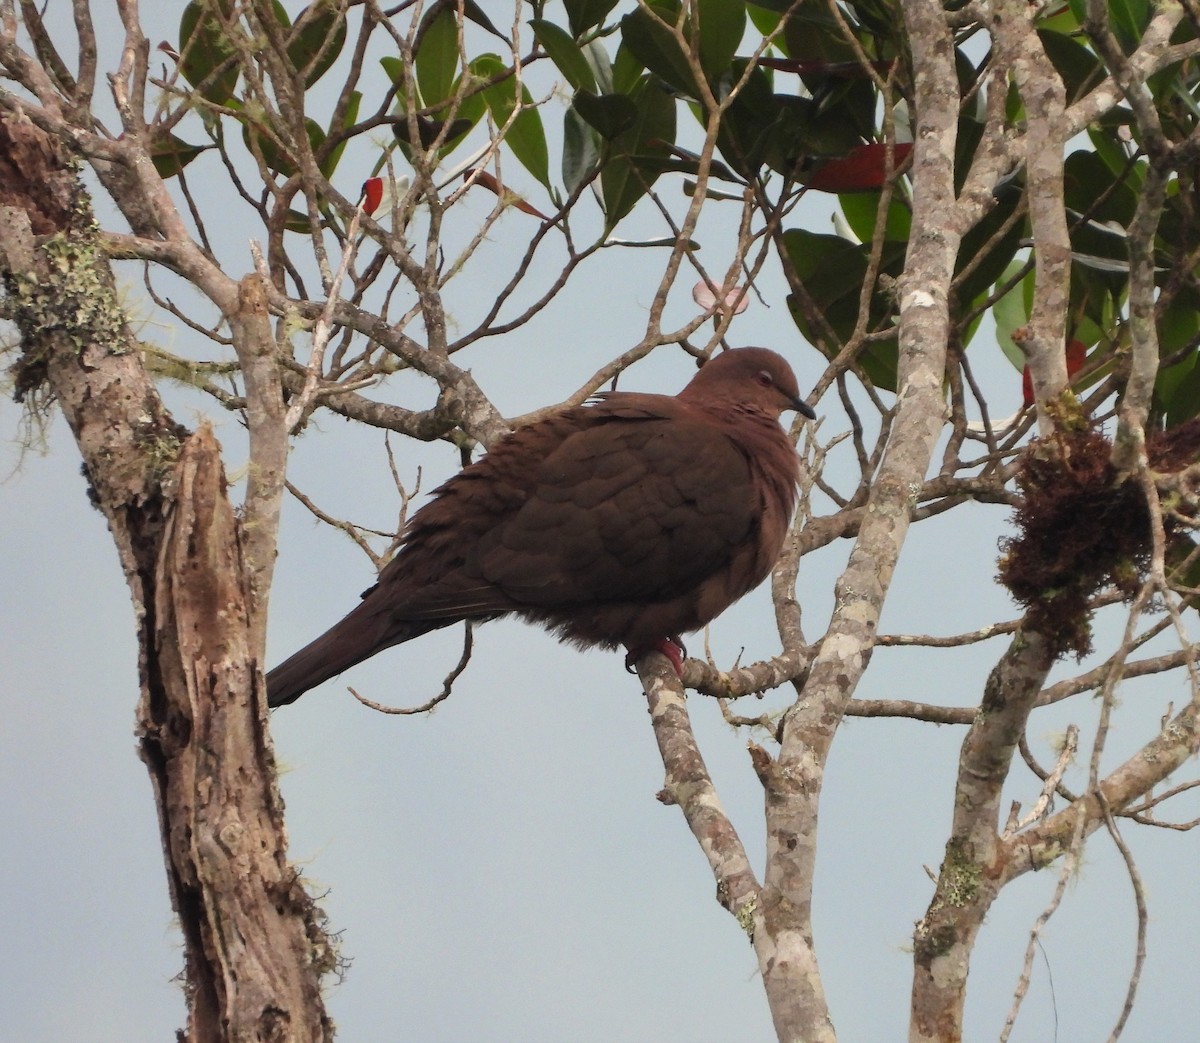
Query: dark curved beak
[[804, 409]]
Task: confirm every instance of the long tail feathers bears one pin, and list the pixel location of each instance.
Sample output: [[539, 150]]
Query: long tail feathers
[[357, 637]]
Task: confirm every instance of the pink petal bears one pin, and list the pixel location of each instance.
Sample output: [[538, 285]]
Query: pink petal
[[704, 297]]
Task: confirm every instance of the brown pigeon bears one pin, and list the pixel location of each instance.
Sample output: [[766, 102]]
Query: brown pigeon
[[626, 521]]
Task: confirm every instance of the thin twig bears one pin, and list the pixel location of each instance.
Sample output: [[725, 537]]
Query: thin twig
[[447, 683]]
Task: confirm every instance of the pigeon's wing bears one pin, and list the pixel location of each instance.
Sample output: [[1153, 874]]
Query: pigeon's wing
[[626, 510]]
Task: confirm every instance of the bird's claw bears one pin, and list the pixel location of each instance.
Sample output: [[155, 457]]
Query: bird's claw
[[672, 647]]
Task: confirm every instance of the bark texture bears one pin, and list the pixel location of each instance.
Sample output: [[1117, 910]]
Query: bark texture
[[255, 950]]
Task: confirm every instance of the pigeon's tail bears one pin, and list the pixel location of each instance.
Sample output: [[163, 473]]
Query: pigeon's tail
[[357, 637]]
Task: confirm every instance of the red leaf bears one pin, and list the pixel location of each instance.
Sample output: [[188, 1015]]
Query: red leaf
[[861, 169], [1076, 355], [372, 194], [488, 181]]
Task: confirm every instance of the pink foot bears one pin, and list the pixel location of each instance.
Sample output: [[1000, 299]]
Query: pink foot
[[672, 647]]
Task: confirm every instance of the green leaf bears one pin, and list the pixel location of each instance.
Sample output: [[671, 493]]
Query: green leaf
[[1114, 155], [832, 270], [1079, 67], [668, 241], [766, 20], [277, 158], [598, 61], [877, 22], [812, 253], [581, 150], [436, 55], [1179, 325], [609, 114], [850, 101], [778, 7], [742, 134], [565, 53], [469, 112], [1089, 188], [799, 131], [330, 161], [394, 68], [320, 35], [970, 133], [583, 15], [880, 362], [627, 69], [470, 109], [1014, 104], [688, 162], [1060, 20], [1129, 19], [526, 137], [652, 133], [813, 34], [967, 332], [170, 154], [690, 189], [860, 209], [1178, 391], [1104, 249], [653, 44], [819, 130], [204, 46], [1012, 312], [986, 249], [474, 13], [721, 24], [973, 111], [656, 165]]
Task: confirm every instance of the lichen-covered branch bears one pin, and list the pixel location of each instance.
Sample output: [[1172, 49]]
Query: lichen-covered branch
[[689, 787], [254, 946], [969, 877], [792, 783], [1037, 847], [1019, 50]]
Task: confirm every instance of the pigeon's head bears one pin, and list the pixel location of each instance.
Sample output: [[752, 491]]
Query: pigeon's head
[[755, 377]]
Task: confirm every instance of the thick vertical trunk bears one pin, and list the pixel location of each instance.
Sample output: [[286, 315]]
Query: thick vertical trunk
[[254, 946]]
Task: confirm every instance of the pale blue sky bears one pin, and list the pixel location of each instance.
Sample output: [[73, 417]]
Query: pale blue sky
[[501, 870]]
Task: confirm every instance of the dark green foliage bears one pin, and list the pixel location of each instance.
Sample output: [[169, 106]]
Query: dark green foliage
[[810, 112], [587, 14], [170, 154], [624, 179], [565, 53], [208, 57], [317, 39]]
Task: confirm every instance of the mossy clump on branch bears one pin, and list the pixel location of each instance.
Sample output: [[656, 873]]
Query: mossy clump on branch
[[1078, 530], [1081, 527]]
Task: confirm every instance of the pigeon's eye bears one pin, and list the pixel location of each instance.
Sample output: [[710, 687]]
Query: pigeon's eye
[[764, 378]]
